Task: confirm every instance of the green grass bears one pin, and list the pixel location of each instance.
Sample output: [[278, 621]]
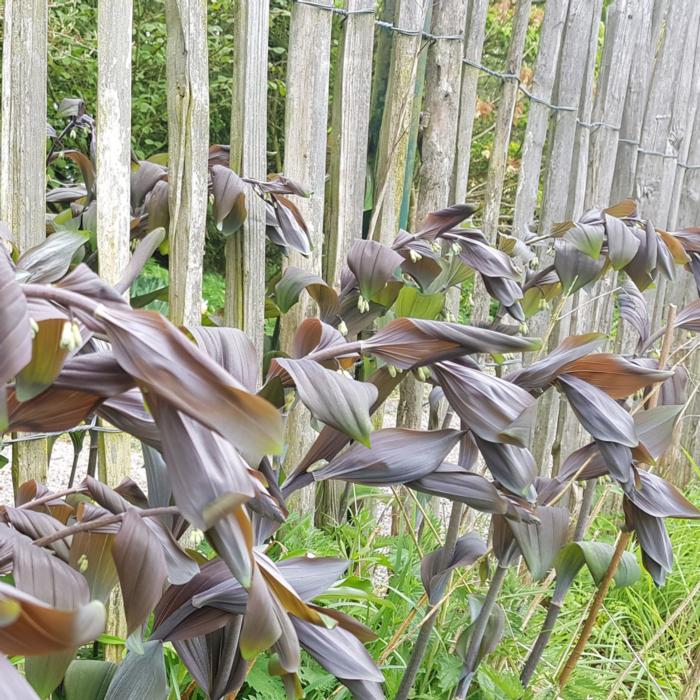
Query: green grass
[[629, 619]]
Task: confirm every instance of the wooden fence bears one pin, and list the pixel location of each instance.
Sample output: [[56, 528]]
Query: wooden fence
[[613, 113]]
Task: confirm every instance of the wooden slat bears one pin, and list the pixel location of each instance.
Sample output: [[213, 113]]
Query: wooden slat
[[396, 119], [113, 165], [23, 160], [349, 134], [538, 115], [623, 21], [474, 34], [498, 159], [188, 138], [245, 251], [306, 122], [570, 79]]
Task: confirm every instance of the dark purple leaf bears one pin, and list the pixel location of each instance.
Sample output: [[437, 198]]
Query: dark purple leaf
[[140, 564], [633, 310], [511, 466], [408, 342], [396, 456], [622, 243], [229, 193], [443, 220], [492, 408], [292, 284], [575, 269], [233, 350], [373, 265], [170, 366], [50, 260], [13, 682], [333, 398], [657, 552], [468, 549], [15, 328], [658, 498]]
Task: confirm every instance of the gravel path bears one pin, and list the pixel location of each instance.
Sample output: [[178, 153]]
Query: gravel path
[[60, 466]]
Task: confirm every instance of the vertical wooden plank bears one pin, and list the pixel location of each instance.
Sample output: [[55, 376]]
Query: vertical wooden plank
[[570, 79], [113, 171], [538, 115], [349, 134], [245, 250], [113, 176], [306, 122], [23, 160], [396, 119], [635, 100], [666, 104], [474, 34], [623, 22], [188, 139], [498, 160]]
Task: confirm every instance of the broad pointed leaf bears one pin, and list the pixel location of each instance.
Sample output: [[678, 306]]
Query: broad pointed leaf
[[140, 675]]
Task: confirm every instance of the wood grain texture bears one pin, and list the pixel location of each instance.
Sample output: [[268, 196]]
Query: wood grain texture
[[474, 35], [306, 123], [245, 250], [349, 135], [188, 138], [23, 160], [538, 115], [396, 119]]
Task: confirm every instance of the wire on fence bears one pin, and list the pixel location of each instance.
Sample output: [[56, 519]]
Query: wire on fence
[[427, 36], [43, 436]]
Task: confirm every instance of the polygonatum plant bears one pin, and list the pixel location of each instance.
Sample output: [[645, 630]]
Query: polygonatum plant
[[212, 426]]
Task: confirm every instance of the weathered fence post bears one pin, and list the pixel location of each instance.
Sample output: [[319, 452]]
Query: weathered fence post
[[396, 119], [498, 160], [188, 150], [555, 205], [538, 115], [349, 134], [23, 161], [245, 250], [113, 176], [474, 34], [113, 155], [650, 187], [306, 121]]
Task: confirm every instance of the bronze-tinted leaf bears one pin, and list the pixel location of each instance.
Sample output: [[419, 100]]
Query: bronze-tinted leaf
[[169, 365], [615, 375], [373, 265], [291, 224], [333, 398], [313, 335], [542, 373], [31, 627], [396, 456], [141, 567], [443, 220], [408, 343], [54, 410]]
